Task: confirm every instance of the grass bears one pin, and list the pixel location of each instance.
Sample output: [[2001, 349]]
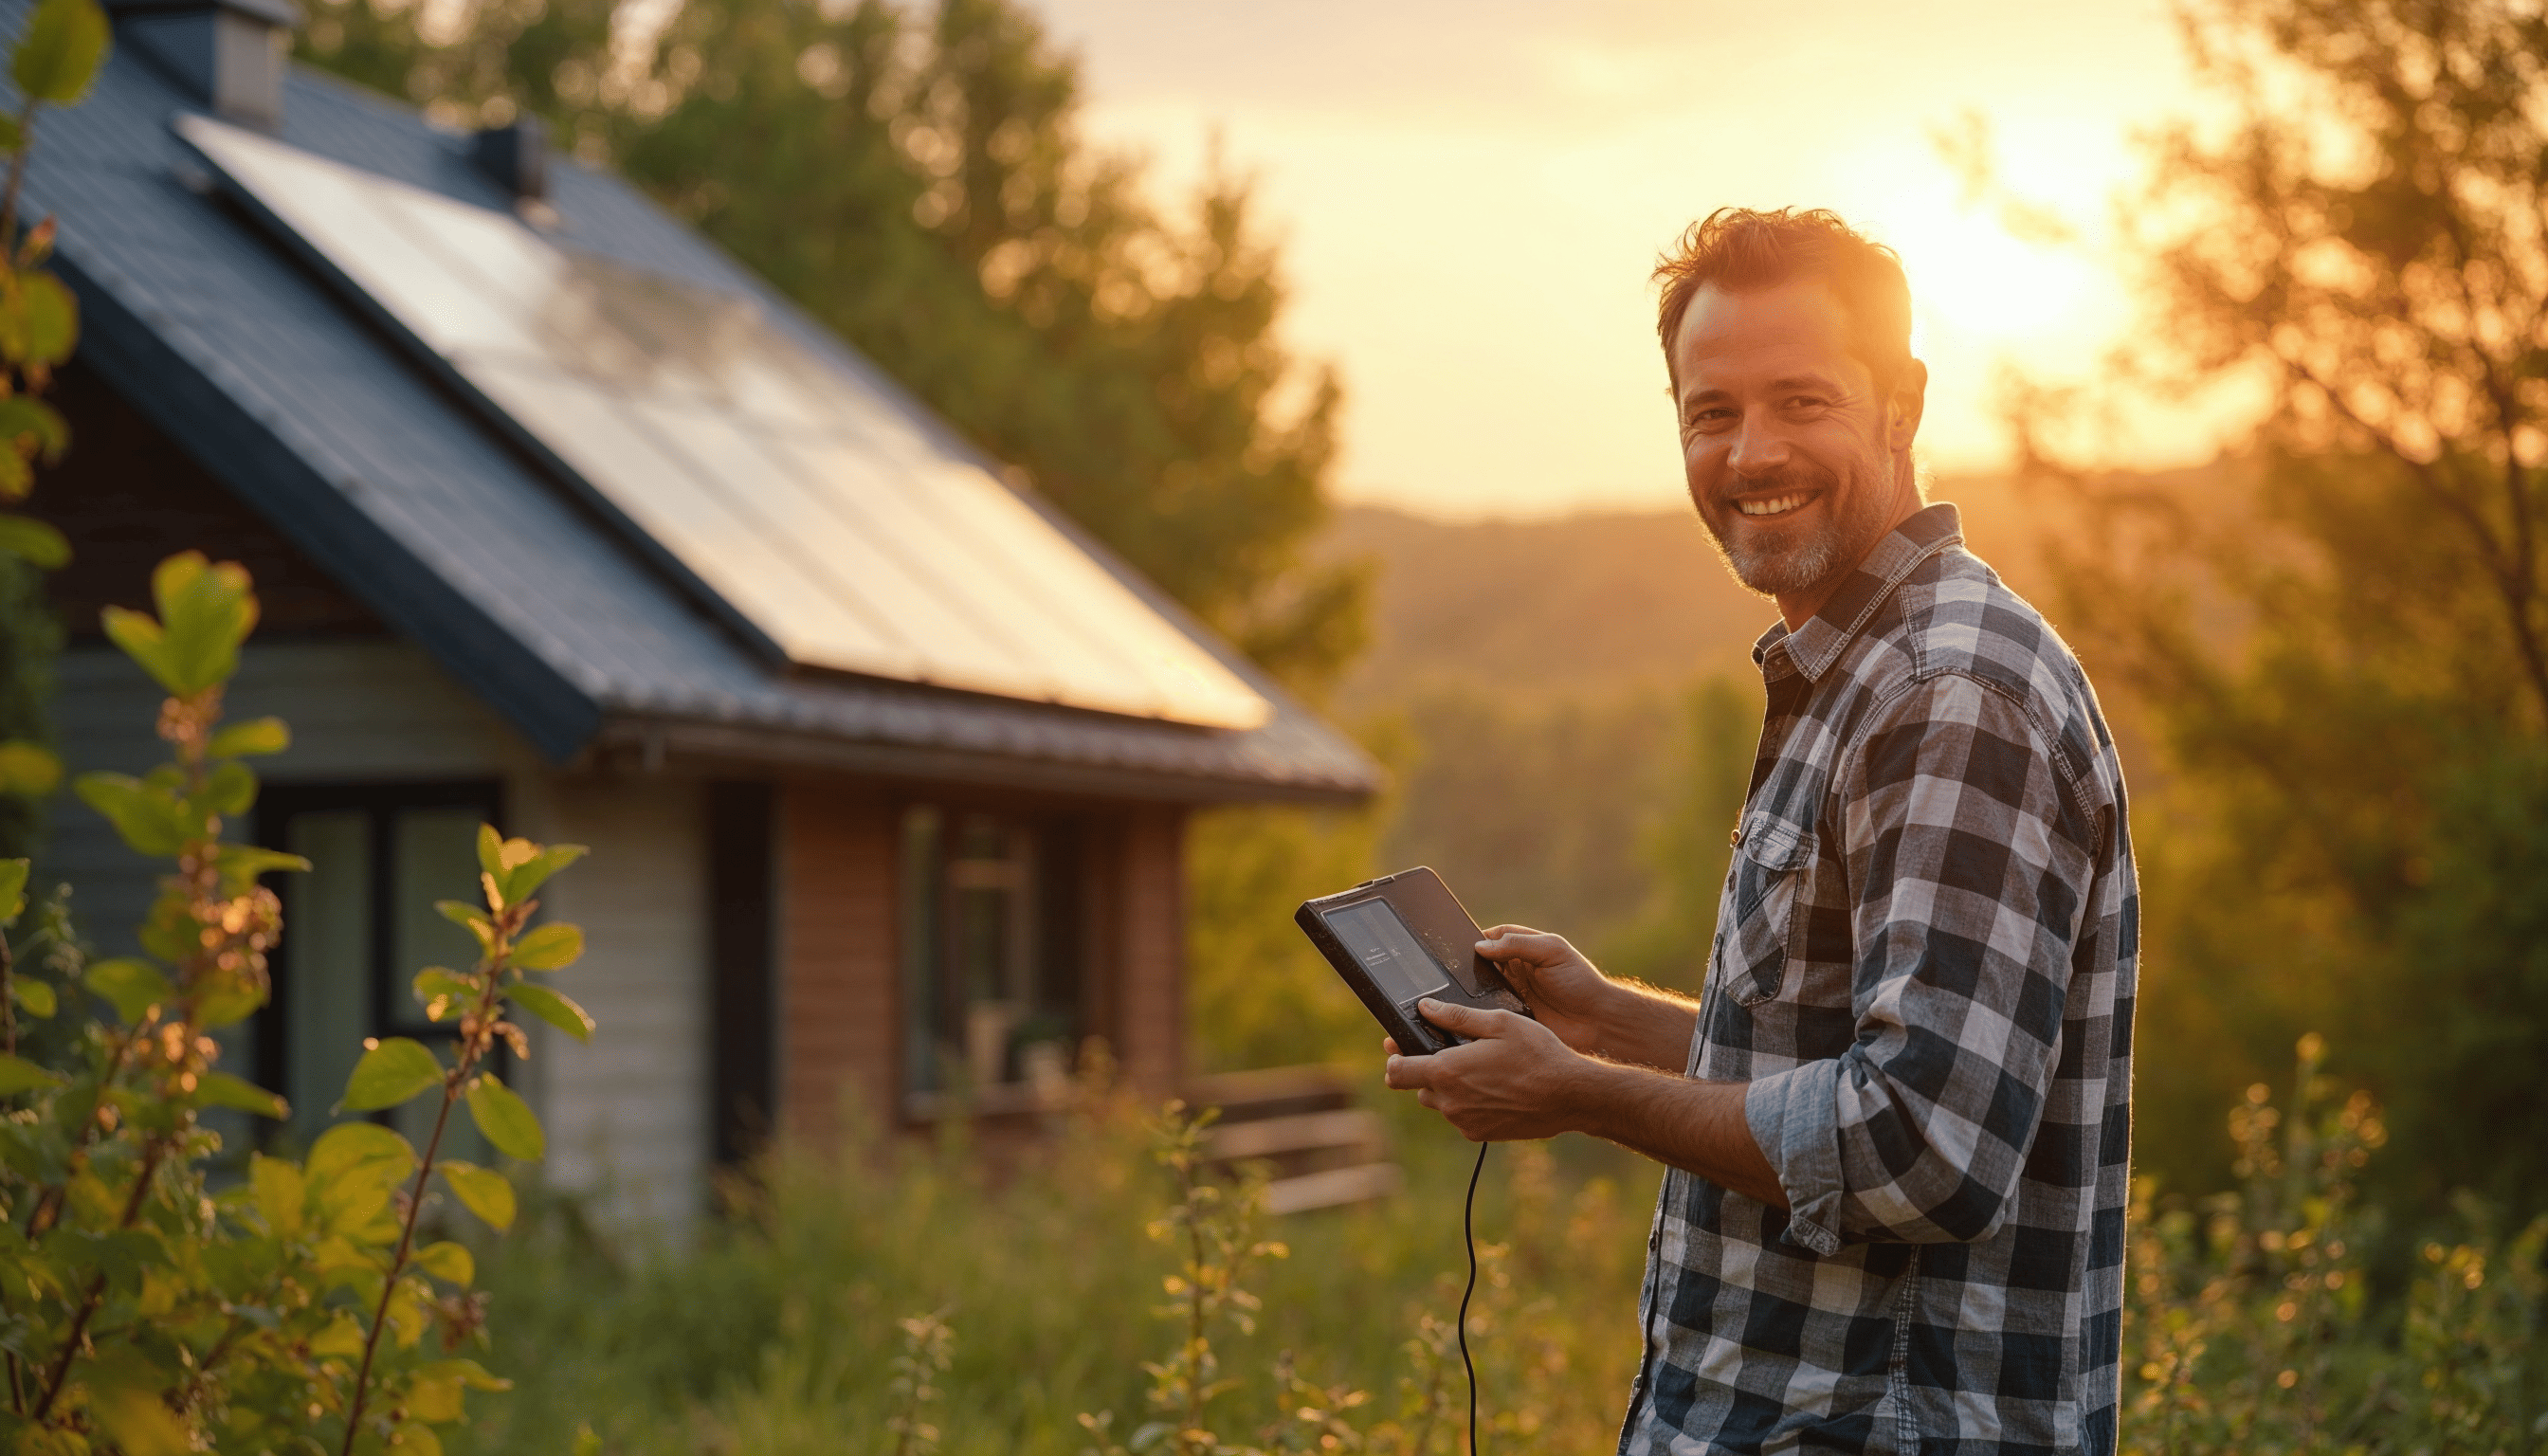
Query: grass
[[814, 1321]]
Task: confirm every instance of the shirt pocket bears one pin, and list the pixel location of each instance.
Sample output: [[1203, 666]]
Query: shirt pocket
[[1771, 856]]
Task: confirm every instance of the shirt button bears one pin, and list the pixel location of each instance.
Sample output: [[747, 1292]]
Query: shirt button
[[1734, 841]]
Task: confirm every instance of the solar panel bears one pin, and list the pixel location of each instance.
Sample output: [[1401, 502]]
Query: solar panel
[[825, 524]]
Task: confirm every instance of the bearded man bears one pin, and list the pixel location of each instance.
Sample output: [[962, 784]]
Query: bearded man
[[1897, 1120]]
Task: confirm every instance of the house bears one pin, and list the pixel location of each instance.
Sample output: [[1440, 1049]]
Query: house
[[561, 521]]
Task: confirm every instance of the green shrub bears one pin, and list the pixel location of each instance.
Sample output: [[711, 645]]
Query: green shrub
[[895, 1295], [144, 1309]]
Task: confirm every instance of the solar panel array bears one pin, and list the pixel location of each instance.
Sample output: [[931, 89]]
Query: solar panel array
[[811, 507]]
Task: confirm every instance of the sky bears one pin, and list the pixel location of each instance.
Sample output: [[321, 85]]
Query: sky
[[1472, 193]]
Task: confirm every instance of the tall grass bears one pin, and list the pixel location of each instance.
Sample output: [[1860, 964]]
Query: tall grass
[[899, 1298]]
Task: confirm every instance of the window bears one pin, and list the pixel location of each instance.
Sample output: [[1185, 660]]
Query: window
[[357, 928], [991, 930]]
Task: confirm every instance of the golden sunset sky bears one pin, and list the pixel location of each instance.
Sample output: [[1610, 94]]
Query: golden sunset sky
[[1471, 193]]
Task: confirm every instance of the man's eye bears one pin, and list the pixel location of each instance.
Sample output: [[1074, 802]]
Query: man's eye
[[1807, 402]]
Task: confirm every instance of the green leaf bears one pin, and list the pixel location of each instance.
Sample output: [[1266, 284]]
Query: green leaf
[[206, 611], [34, 542], [34, 996], [52, 330], [553, 1007], [281, 1193], [491, 853], [230, 788], [505, 1119], [12, 135], [29, 769], [348, 1148], [131, 986], [58, 56], [18, 1074], [443, 991], [253, 737], [147, 817], [391, 1072], [468, 1372], [485, 1192], [229, 1001], [242, 866], [524, 880], [137, 633], [141, 1423], [221, 1089], [549, 948], [449, 1262], [32, 426], [13, 889]]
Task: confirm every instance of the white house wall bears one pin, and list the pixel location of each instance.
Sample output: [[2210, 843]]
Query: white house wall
[[626, 1115], [627, 1112]]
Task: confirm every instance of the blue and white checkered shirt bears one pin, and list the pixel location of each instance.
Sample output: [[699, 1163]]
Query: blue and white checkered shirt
[[1924, 970]]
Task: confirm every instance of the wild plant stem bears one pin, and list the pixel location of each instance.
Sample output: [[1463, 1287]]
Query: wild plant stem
[[471, 1049], [17, 174], [1194, 1307], [8, 997], [397, 1263], [152, 1152]]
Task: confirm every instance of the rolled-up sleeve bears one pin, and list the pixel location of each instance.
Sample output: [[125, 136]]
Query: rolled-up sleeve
[[1968, 856]]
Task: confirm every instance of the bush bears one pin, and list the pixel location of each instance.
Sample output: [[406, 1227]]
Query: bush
[[896, 1297], [147, 1309]]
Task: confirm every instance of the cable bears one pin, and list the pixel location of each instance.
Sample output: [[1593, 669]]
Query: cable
[[1469, 1232]]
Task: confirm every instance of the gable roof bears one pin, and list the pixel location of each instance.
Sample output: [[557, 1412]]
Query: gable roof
[[459, 540]]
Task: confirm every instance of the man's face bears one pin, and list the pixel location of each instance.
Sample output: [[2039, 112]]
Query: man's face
[[1788, 449]]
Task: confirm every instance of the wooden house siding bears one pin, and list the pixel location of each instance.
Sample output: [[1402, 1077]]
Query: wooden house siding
[[1149, 1017], [838, 996]]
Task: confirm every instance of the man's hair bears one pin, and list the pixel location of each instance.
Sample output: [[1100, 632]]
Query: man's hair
[[1740, 250]]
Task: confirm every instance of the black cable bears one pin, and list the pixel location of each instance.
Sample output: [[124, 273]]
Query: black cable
[[1469, 1232]]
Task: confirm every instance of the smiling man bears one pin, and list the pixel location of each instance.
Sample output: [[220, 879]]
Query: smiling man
[[1897, 1120]]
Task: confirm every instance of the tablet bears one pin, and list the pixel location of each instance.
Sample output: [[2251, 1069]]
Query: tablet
[[1400, 939]]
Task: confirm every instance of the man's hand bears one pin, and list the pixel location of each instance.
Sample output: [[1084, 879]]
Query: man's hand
[[1590, 1012], [1516, 1082]]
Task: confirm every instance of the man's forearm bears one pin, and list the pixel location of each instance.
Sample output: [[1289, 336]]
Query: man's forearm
[[1644, 1025], [1691, 1124]]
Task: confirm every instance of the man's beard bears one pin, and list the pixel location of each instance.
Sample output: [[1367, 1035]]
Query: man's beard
[[1854, 520]]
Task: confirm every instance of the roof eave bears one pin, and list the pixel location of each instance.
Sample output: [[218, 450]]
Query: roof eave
[[652, 741]]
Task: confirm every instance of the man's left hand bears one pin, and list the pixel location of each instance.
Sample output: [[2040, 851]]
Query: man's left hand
[[1514, 1081]]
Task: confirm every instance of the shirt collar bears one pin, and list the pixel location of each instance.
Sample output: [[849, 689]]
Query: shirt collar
[[1812, 648]]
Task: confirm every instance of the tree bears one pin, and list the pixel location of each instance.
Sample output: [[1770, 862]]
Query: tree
[[919, 184], [2340, 639]]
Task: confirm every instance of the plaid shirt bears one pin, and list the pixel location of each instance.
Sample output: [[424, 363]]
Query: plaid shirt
[[1924, 970]]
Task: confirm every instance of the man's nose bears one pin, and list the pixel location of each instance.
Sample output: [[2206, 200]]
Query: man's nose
[[1759, 448]]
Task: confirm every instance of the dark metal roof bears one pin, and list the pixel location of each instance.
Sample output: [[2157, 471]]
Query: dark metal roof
[[455, 538]]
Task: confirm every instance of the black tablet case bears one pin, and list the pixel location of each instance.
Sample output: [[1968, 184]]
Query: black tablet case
[[1429, 909]]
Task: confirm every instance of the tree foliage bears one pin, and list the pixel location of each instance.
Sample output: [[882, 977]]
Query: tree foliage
[[918, 182], [2338, 639]]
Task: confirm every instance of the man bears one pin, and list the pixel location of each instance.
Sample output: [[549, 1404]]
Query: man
[[1896, 1121]]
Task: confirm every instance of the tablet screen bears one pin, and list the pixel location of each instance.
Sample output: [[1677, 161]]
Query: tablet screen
[[1387, 950]]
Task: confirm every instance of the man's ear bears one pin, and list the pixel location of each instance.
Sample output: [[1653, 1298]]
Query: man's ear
[[1902, 412]]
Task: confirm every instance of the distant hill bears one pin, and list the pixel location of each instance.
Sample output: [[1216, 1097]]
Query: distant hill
[[1596, 603]]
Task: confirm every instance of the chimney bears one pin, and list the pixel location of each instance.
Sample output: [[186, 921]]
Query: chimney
[[232, 55], [517, 155]]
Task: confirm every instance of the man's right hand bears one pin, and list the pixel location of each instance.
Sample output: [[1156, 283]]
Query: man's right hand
[[1590, 1012]]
